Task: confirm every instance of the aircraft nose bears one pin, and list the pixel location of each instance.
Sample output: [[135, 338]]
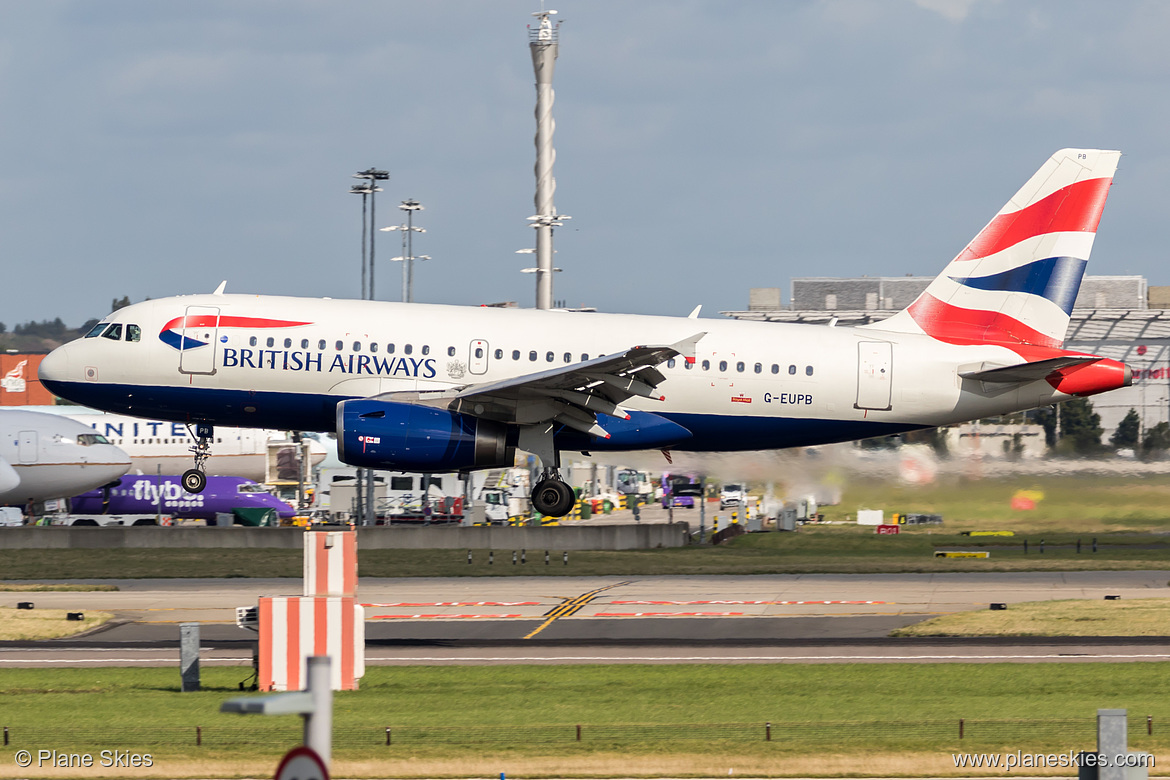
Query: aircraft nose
[[55, 366]]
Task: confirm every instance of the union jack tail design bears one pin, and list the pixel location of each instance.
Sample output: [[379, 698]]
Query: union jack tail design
[[1016, 282]]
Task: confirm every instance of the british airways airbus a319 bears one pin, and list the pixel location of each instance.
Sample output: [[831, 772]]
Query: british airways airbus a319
[[414, 387]]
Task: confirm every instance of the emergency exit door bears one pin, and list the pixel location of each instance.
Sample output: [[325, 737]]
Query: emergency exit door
[[477, 359], [874, 374]]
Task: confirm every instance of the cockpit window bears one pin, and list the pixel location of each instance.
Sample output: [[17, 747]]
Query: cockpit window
[[250, 488], [114, 332], [96, 330], [133, 333], [87, 439]]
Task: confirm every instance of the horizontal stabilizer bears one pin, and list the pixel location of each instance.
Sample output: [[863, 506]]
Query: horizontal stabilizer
[[1028, 372]]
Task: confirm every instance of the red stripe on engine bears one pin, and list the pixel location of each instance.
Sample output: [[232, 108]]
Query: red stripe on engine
[[954, 325], [1075, 208]]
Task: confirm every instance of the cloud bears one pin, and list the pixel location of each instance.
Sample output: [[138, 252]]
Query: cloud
[[954, 10]]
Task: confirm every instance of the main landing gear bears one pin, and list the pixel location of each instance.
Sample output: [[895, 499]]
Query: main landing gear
[[194, 480], [552, 496]]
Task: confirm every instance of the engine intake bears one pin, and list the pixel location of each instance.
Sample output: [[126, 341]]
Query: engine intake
[[406, 437]]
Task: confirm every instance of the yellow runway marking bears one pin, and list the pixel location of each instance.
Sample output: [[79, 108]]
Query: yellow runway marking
[[571, 606]]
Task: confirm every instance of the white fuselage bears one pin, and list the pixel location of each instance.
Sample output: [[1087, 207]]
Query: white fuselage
[[285, 363]]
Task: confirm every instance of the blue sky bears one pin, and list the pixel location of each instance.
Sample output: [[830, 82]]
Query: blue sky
[[153, 149]]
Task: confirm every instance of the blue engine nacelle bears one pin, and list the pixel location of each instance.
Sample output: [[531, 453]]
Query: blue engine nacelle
[[406, 437]]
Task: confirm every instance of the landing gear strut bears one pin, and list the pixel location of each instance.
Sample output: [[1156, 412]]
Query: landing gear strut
[[552, 496], [194, 480]]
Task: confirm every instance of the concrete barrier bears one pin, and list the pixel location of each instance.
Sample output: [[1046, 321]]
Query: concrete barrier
[[591, 537]]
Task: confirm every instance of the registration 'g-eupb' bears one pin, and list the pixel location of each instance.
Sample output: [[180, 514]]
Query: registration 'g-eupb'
[[437, 388]]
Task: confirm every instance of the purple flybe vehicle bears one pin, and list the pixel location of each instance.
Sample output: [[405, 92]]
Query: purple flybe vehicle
[[146, 494]]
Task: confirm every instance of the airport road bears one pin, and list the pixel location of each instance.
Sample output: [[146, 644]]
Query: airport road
[[758, 619]]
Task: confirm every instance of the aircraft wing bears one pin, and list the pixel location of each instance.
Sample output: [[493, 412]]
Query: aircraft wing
[[1028, 372], [572, 395]]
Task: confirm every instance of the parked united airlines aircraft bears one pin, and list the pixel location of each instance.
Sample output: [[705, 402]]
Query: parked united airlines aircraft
[[158, 447], [414, 387]]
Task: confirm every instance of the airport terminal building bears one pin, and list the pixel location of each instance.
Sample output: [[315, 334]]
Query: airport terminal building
[[1120, 317]]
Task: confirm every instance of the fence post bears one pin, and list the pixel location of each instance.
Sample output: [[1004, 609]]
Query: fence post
[[1025, 547], [469, 556], [565, 557], [1149, 728], [578, 732], [198, 735], [960, 728], [5, 736], [387, 736], [768, 731]]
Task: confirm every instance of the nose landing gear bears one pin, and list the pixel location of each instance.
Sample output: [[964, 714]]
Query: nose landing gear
[[194, 480]]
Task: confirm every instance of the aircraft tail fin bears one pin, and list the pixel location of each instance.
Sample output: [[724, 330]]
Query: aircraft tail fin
[[1017, 280]]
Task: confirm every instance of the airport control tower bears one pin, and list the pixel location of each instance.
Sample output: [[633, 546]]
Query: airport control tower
[[542, 42]]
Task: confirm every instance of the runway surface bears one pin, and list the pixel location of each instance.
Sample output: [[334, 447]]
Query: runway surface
[[757, 619]]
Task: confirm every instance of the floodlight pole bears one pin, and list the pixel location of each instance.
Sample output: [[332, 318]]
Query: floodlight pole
[[543, 45]]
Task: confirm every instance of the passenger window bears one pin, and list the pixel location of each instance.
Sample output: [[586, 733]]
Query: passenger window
[[339, 345], [584, 357], [287, 343], [499, 354], [706, 365], [775, 368], [304, 343], [407, 349], [114, 332], [568, 358], [389, 349], [426, 349], [321, 344], [271, 341], [133, 333], [450, 351], [548, 357], [373, 346], [670, 363], [532, 355], [357, 346], [808, 370], [688, 364], [479, 353], [739, 366], [515, 354], [96, 330], [722, 366], [252, 341], [759, 368], [792, 370]]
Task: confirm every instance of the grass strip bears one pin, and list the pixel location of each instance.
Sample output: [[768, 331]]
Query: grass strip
[[814, 549], [1073, 617], [637, 721], [30, 624], [55, 587]]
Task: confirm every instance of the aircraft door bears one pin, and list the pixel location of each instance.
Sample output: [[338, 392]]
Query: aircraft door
[[199, 340], [874, 374], [477, 359], [28, 447]]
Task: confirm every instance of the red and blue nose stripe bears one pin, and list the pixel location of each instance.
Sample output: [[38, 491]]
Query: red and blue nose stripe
[[171, 333]]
